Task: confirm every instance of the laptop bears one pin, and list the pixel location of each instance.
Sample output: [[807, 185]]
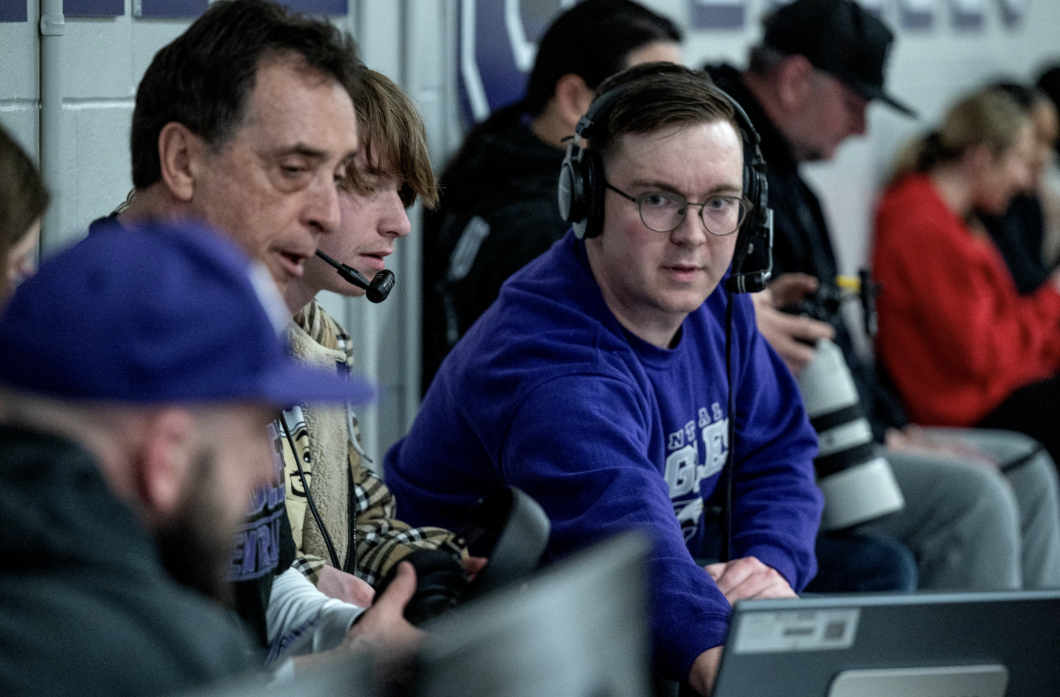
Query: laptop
[[921, 645], [577, 629]]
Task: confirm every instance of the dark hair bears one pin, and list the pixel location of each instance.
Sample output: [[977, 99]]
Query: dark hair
[[1049, 82], [1026, 96], [23, 197], [202, 79], [593, 39], [657, 95]]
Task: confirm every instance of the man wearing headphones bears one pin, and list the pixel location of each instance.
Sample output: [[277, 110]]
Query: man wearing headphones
[[597, 381]]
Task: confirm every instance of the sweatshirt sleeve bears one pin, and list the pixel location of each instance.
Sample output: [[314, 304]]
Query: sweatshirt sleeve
[[594, 486], [776, 502]]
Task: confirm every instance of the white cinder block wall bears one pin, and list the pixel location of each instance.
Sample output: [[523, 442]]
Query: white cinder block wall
[[413, 41]]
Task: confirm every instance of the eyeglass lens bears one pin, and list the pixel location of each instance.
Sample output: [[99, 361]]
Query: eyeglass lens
[[664, 211]]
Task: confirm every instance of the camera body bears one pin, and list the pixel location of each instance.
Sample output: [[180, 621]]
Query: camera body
[[518, 529]]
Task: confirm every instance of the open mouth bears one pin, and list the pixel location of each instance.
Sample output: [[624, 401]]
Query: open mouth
[[292, 262]]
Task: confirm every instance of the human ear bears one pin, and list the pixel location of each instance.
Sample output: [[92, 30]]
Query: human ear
[[794, 82], [165, 462], [180, 153], [573, 98]]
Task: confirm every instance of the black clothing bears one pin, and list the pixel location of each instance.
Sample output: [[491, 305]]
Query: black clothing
[[264, 547], [1018, 234], [498, 212], [86, 607], [1032, 410], [802, 244]]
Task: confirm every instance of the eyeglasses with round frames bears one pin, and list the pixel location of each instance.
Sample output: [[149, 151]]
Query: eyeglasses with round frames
[[663, 211]]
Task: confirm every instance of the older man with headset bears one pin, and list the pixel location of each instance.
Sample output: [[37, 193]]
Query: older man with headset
[[598, 383]]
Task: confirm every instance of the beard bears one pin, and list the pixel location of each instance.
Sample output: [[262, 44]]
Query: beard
[[196, 545]]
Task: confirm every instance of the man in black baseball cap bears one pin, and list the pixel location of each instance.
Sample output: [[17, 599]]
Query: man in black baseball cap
[[839, 38], [806, 90]]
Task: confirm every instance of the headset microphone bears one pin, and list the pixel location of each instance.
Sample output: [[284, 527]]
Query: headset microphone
[[377, 289]]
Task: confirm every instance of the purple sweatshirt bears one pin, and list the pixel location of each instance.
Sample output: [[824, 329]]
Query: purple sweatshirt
[[547, 392]]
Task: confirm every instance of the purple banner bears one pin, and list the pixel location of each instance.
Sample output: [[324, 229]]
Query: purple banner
[[93, 8], [13, 11], [318, 7], [716, 15], [172, 9], [968, 20]]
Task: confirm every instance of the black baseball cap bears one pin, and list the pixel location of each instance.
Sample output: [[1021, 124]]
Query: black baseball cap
[[839, 37]]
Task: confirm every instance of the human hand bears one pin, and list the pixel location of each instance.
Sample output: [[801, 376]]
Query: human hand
[[345, 587], [742, 579], [473, 565], [383, 627], [705, 671], [792, 337], [913, 439]]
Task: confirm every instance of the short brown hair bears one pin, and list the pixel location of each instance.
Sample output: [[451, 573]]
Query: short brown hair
[[392, 133], [658, 95], [23, 197]]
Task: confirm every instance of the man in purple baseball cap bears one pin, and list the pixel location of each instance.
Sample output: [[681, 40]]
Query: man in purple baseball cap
[[138, 373]]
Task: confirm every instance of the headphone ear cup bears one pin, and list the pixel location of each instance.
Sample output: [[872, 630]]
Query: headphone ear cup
[[570, 194], [595, 189]]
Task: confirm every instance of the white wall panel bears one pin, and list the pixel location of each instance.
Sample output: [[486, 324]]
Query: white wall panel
[[19, 79]]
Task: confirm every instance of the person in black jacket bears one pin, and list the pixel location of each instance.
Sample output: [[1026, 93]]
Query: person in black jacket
[[806, 90], [135, 398], [1019, 232], [498, 207]]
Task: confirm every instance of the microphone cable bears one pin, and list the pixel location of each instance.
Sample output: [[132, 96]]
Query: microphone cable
[[309, 497]]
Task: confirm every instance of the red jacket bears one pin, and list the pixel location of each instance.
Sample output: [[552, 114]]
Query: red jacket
[[955, 335]]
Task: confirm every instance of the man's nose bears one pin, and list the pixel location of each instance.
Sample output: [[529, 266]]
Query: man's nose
[[691, 231], [396, 221], [322, 208]]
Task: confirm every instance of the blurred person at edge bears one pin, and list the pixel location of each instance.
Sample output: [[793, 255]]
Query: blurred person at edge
[[1019, 232], [963, 347], [806, 89], [1049, 83], [391, 170], [246, 122], [123, 480], [498, 206], [23, 200]]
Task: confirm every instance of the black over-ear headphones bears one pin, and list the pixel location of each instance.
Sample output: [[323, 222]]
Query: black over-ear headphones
[[581, 189]]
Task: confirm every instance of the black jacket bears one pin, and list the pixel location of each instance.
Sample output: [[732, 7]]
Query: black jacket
[[802, 243], [498, 212], [1018, 234], [86, 607]]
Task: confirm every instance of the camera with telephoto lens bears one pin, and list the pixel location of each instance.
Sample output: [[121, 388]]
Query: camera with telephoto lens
[[856, 479]]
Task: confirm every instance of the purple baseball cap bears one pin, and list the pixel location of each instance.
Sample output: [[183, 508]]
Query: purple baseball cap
[[157, 313]]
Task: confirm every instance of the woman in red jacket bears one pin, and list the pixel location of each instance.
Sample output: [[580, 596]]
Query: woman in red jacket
[[963, 347]]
